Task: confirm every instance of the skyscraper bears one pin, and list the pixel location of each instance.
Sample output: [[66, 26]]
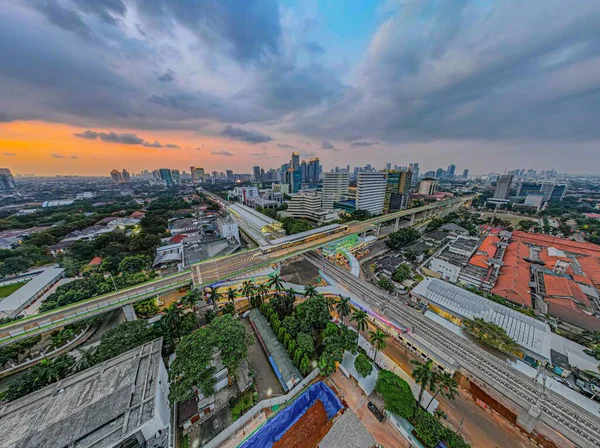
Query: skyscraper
[[465, 174], [451, 170], [304, 170], [314, 170], [414, 167], [229, 175], [295, 162], [166, 176], [116, 176], [439, 173], [503, 186], [176, 176], [256, 173], [370, 191], [335, 185], [126, 176], [7, 181], [397, 190]]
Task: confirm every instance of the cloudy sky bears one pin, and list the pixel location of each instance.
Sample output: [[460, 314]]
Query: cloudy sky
[[91, 85]]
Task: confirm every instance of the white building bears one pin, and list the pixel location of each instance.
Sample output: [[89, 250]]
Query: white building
[[228, 228], [427, 186], [370, 192], [335, 186], [308, 205], [243, 193], [31, 291]]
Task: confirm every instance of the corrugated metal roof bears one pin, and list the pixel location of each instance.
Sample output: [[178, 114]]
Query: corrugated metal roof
[[20, 297]]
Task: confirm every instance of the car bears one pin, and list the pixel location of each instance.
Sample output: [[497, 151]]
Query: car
[[564, 382], [378, 414]]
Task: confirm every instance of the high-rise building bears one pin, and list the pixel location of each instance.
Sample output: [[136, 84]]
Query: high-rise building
[[166, 176], [439, 173], [229, 175], [304, 170], [388, 166], [335, 186], [256, 173], [397, 190], [295, 179], [295, 162], [314, 170], [414, 167], [503, 186], [194, 174], [465, 174], [370, 192], [176, 177], [126, 176], [116, 176], [451, 170], [7, 181], [427, 186]]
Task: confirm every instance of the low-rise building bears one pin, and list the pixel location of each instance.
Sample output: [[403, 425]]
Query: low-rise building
[[31, 291], [309, 205]]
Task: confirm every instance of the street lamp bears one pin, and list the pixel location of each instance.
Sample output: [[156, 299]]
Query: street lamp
[[113, 281]]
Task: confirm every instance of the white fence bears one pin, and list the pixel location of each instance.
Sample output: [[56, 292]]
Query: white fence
[[257, 408]]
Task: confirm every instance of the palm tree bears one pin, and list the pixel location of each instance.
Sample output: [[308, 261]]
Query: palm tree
[[172, 319], [378, 338], [276, 282], [248, 288], [310, 291], [446, 386], [231, 294], [86, 360], [213, 296], [330, 302], [189, 299], [262, 291], [343, 307], [424, 376], [360, 317]]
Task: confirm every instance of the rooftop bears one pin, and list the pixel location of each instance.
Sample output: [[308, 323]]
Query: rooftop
[[486, 250], [528, 332], [95, 408], [14, 303], [348, 432]]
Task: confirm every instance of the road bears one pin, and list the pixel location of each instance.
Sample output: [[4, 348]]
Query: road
[[567, 418], [203, 274]]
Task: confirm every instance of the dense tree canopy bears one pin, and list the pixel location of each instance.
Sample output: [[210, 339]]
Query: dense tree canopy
[[396, 393], [362, 365], [402, 237]]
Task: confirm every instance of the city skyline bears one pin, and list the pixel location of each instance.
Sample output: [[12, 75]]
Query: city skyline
[[128, 85]]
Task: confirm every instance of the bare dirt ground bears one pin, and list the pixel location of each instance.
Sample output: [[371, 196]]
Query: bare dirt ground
[[308, 431], [300, 272]]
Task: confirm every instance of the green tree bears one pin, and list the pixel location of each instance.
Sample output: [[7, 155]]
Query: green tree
[[343, 307], [172, 317], [402, 273], [291, 325], [362, 365], [327, 363], [424, 376], [276, 283], [146, 308], [310, 291], [13, 266], [248, 288], [194, 366], [124, 337], [284, 304], [386, 284], [61, 337], [305, 343], [313, 315], [396, 393], [445, 385], [490, 334], [378, 340], [86, 359], [304, 365], [231, 293], [360, 317], [402, 237], [212, 296], [135, 263], [429, 430]]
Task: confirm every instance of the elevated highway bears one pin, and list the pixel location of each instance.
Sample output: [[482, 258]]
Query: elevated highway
[[205, 274], [579, 425]]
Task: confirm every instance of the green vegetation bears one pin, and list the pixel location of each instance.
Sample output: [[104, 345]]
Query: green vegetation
[[362, 365], [294, 225], [193, 366], [591, 339], [386, 284], [396, 393], [13, 351], [501, 300], [242, 404], [402, 237], [146, 308], [490, 334], [7, 290], [402, 273]]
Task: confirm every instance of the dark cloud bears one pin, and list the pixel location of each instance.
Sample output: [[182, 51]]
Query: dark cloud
[[9, 154], [67, 19], [222, 152], [124, 139], [307, 153], [363, 143], [106, 10], [167, 76], [261, 155], [326, 144], [245, 135], [57, 156], [285, 146], [314, 48]]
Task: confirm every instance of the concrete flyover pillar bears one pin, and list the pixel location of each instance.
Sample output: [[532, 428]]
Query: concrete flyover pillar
[[378, 229], [412, 219], [129, 312], [397, 223]]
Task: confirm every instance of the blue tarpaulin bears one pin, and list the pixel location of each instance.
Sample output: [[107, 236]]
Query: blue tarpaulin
[[275, 428]]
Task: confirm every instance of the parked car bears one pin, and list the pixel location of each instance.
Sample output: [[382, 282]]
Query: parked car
[[378, 414], [564, 382]]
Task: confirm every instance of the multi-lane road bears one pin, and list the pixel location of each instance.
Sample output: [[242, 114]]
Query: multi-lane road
[[202, 274], [577, 424]]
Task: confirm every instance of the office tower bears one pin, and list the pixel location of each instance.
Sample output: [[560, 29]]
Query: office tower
[[439, 173], [451, 170], [256, 173], [427, 186], [465, 174], [194, 174], [262, 174], [335, 186], [414, 167], [429, 174], [370, 192], [503, 186], [388, 166], [116, 176], [166, 176], [295, 162], [156, 174], [304, 171], [126, 176], [347, 168], [7, 181], [397, 190], [176, 177], [295, 179], [229, 175]]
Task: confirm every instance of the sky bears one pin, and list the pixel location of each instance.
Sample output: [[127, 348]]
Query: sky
[[88, 86]]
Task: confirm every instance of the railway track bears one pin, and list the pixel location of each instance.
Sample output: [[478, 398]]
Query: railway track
[[495, 372]]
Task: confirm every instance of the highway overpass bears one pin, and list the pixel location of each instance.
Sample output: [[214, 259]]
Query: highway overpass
[[205, 274]]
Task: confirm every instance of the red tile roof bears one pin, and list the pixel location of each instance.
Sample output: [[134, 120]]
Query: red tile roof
[[557, 287], [486, 250], [567, 311], [178, 238], [560, 243], [513, 280], [96, 261]]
